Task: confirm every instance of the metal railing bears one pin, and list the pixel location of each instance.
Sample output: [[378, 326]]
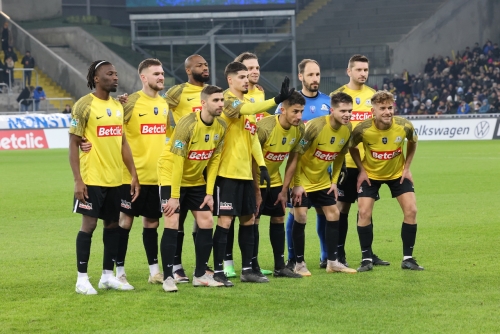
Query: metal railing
[[43, 105], [24, 70]]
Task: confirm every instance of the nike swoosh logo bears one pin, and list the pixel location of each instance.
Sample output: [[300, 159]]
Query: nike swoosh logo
[[272, 144], [193, 142], [140, 115], [190, 98], [321, 144], [99, 117]]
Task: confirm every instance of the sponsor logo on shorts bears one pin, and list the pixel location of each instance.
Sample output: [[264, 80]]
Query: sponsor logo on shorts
[[153, 129], [225, 206], [359, 116], [85, 206], [360, 190], [325, 156], [252, 127], [109, 130], [200, 155], [126, 204], [196, 109], [341, 193], [276, 156], [386, 155]]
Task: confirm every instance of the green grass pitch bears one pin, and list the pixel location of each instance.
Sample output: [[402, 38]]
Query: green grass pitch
[[458, 189]]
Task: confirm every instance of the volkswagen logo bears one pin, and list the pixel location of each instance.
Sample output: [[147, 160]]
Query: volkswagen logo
[[482, 129]]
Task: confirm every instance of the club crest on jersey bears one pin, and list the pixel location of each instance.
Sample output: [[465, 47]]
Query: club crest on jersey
[[283, 141], [236, 103], [312, 108], [109, 112], [398, 139], [332, 140], [207, 138], [292, 141], [384, 140], [324, 107], [252, 100], [155, 110], [216, 137], [358, 100]]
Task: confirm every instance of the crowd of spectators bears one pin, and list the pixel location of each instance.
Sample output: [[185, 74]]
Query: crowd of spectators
[[466, 83]]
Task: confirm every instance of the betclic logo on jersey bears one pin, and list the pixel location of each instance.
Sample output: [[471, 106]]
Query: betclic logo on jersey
[[153, 129], [200, 154], [196, 109], [386, 155], [325, 156], [359, 116], [276, 156], [252, 127], [109, 130]]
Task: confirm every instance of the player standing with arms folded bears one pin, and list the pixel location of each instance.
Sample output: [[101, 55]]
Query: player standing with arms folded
[[383, 139], [357, 70], [325, 142], [98, 173], [196, 144]]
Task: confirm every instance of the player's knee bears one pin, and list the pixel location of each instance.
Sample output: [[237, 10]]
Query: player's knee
[[332, 213], [411, 212], [300, 217], [150, 223], [364, 214], [344, 207]]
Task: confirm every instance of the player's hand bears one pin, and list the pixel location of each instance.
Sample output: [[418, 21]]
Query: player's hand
[[123, 98], [406, 175], [333, 188], [259, 87], [258, 199], [362, 176], [208, 200], [264, 176], [282, 198], [135, 188], [81, 191], [85, 145], [171, 206], [285, 91], [343, 174], [297, 194]]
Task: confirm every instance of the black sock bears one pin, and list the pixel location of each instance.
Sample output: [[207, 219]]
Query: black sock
[[220, 240], [110, 239], [150, 241], [408, 235], [277, 237], [203, 248], [299, 240], [122, 246], [178, 250], [343, 227], [228, 256], [246, 237], [255, 254], [83, 242], [365, 234], [332, 238], [168, 246]]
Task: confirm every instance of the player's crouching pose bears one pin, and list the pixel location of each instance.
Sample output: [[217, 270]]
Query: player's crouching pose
[[325, 141], [196, 144], [279, 136], [383, 139], [98, 173]]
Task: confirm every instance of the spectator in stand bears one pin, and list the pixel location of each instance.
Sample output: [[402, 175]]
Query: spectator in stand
[[38, 95], [9, 71], [26, 98], [407, 109], [474, 103], [67, 109], [430, 107], [429, 66], [496, 51], [10, 53], [7, 39], [463, 109], [441, 109], [485, 107], [422, 110], [477, 49], [488, 46], [28, 62]]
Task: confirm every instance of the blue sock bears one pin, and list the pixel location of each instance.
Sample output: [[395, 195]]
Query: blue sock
[[289, 242], [320, 228]]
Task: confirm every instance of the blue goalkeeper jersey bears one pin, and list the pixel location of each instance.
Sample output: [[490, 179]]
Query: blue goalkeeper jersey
[[315, 106]]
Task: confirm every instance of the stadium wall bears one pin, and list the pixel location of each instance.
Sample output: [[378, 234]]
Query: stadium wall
[[455, 25], [29, 10]]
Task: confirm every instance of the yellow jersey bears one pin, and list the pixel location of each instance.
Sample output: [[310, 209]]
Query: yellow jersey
[[145, 125], [241, 143], [361, 110], [256, 95], [183, 99], [276, 144], [194, 145], [384, 158], [101, 122], [321, 146]]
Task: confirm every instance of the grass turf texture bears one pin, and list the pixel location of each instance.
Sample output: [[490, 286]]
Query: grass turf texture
[[457, 193]]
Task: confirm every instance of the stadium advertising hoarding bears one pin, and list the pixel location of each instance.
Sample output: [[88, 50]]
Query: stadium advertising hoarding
[[35, 121], [171, 6], [33, 139]]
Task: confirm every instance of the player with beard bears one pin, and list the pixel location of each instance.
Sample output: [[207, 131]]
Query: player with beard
[[98, 173], [357, 70], [317, 104]]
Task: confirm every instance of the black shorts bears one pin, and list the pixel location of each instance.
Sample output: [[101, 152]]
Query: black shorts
[[394, 185], [347, 189], [267, 208], [191, 198], [234, 197], [145, 205], [317, 199], [103, 203]]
